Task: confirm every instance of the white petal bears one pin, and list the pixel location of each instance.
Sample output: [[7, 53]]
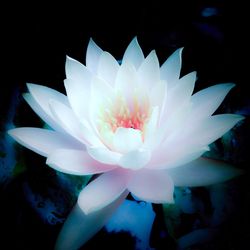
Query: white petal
[[171, 68], [185, 157], [150, 129], [107, 68], [191, 142], [135, 159], [103, 190], [47, 118], [76, 162], [101, 92], [127, 139], [149, 71], [192, 136], [152, 186], [133, 54], [202, 172], [211, 129], [79, 227], [158, 94], [43, 141], [93, 55], [42, 95], [71, 124], [78, 93], [174, 123], [179, 95], [184, 88], [126, 81], [104, 155], [206, 101], [175, 155], [76, 71]]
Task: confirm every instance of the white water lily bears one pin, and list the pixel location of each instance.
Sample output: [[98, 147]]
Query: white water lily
[[137, 123]]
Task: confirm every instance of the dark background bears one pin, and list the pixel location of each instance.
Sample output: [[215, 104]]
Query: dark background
[[37, 38]]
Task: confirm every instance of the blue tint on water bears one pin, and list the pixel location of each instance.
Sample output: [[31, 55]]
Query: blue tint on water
[[136, 218]]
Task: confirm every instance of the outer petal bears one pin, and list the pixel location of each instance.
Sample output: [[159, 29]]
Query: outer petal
[[103, 190], [78, 92], [127, 139], [107, 68], [210, 129], [149, 71], [171, 68], [135, 159], [175, 156], [192, 140], [43, 141], [178, 96], [152, 185], [206, 101], [39, 101], [76, 70], [93, 55], [76, 162], [47, 118], [202, 172], [133, 54], [71, 124], [183, 90], [171, 125], [79, 227]]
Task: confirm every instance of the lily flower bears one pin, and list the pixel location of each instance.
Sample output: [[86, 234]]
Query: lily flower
[[137, 124]]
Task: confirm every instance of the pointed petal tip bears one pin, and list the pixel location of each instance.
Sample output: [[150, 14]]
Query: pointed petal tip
[[11, 132], [238, 118], [180, 50], [69, 58], [152, 53], [229, 84], [91, 40], [135, 39], [31, 85], [14, 133]]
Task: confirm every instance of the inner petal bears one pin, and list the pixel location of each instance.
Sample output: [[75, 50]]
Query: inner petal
[[127, 139]]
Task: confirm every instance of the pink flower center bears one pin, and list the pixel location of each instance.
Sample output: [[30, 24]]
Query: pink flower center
[[119, 113], [122, 115]]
